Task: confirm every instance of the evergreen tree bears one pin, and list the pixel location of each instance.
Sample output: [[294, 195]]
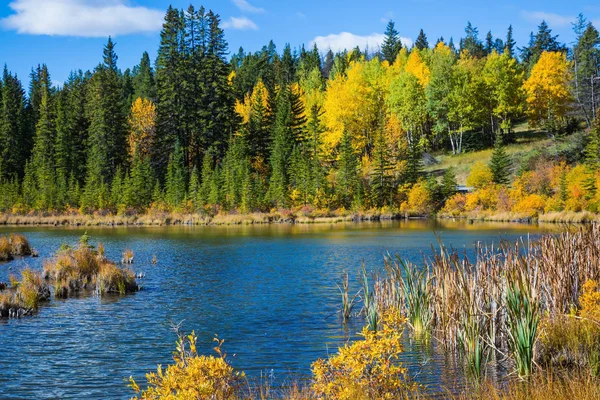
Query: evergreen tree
[[144, 85], [16, 139], [542, 41], [489, 43], [283, 141], [472, 43], [347, 184], [421, 42], [381, 178], [43, 148], [391, 44], [328, 64], [586, 60], [448, 187], [175, 185], [510, 45], [500, 163]]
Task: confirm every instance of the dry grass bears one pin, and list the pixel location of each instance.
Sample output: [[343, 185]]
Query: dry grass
[[5, 249], [540, 387], [76, 270], [20, 245]]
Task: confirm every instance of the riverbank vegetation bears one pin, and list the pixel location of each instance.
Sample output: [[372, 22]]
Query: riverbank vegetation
[[72, 271], [207, 133], [522, 320], [15, 245]]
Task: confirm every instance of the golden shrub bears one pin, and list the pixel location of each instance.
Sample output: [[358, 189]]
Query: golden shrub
[[480, 176], [590, 300], [192, 377], [531, 204], [366, 369], [455, 205]]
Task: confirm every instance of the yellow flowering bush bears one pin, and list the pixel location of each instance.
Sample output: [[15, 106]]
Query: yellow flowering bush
[[531, 204], [590, 300], [480, 176], [366, 369], [192, 377]]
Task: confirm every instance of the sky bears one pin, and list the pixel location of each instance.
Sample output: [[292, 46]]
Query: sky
[[70, 34]]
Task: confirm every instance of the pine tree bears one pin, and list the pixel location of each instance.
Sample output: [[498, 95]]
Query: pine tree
[[175, 186], [16, 140], [448, 187], [283, 138], [500, 163], [489, 43], [471, 42], [381, 178], [328, 64], [144, 85], [586, 56], [421, 43], [510, 44], [43, 148], [391, 44], [347, 184]]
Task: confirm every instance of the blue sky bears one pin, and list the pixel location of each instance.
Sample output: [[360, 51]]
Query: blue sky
[[69, 34]]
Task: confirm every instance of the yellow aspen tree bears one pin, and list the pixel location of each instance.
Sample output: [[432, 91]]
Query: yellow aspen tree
[[142, 127], [547, 90], [418, 68]]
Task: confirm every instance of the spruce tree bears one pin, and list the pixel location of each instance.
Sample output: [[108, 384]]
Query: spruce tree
[[283, 136], [175, 186], [347, 180], [449, 183], [144, 85], [421, 43], [510, 45], [43, 148], [381, 178], [391, 43], [500, 163], [16, 139]]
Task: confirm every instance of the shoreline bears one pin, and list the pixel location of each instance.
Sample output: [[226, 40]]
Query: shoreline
[[286, 217]]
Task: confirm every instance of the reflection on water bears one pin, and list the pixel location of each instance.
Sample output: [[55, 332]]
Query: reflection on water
[[268, 290]]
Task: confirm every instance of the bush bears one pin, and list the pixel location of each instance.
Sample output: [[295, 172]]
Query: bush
[[20, 245], [480, 176], [192, 376], [366, 369]]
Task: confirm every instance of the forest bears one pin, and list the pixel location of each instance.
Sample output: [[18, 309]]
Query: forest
[[203, 130]]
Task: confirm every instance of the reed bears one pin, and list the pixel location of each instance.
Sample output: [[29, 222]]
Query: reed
[[347, 301]]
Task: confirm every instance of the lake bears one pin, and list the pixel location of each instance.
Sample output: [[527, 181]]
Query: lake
[[269, 291]]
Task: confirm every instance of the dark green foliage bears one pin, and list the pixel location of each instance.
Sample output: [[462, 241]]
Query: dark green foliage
[[144, 85], [586, 59], [176, 182], [471, 42], [15, 138], [347, 185], [448, 186], [391, 44], [500, 163], [510, 45], [538, 43], [381, 177], [421, 42]]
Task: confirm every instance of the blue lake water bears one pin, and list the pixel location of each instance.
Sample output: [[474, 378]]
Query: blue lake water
[[269, 291]]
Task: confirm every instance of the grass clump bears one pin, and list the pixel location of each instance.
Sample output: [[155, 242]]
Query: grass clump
[[84, 268], [20, 245], [5, 249]]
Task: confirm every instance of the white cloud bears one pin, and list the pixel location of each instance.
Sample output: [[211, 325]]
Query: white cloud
[[348, 41], [84, 18], [551, 18], [243, 5], [241, 23]]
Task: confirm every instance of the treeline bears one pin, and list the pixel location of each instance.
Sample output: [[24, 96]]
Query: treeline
[[201, 132]]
